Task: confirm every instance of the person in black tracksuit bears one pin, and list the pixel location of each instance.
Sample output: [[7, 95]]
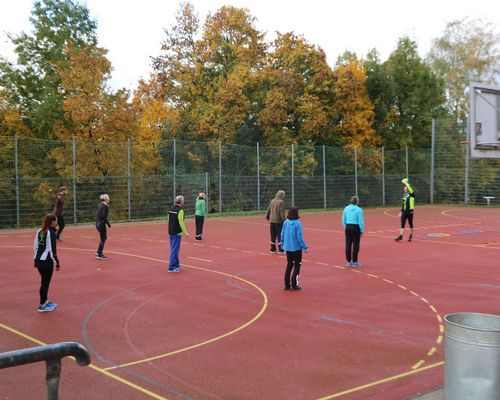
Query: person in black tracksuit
[[45, 251], [100, 224], [59, 210]]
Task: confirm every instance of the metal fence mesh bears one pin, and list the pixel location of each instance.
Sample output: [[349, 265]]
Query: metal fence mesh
[[142, 179]]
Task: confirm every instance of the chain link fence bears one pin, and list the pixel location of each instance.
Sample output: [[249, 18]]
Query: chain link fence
[[142, 179]]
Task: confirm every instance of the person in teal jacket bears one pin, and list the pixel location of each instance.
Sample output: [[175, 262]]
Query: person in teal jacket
[[200, 214], [292, 240], [407, 208], [352, 220]]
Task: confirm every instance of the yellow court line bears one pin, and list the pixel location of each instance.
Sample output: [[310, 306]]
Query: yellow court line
[[419, 364], [102, 371], [105, 371], [23, 335], [199, 259], [248, 323], [388, 215], [380, 382]]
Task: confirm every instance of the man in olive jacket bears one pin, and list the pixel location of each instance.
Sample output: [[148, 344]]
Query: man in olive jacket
[[276, 216]]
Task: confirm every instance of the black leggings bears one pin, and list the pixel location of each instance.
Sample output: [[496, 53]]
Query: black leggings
[[294, 259], [407, 215], [352, 239], [103, 235], [46, 275], [199, 220], [60, 225]]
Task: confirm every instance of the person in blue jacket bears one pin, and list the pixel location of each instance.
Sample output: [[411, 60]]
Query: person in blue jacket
[[292, 240], [352, 219]]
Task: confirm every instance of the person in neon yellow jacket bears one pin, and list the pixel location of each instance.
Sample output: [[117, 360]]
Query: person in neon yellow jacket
[[407, 210]]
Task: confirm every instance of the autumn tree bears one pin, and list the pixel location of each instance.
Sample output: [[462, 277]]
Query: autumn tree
[[157, 120], [33, 84], [353, 109], [298, 93], [468, 50], [92, 115]]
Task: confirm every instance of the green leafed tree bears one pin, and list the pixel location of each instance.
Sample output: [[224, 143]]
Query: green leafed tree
[[419, 97], [33, 84]]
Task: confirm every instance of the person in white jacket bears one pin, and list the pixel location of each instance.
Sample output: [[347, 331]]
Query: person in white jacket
[[45, 256]]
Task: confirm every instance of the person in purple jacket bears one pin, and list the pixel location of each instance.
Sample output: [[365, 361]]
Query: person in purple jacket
[[292, 239]]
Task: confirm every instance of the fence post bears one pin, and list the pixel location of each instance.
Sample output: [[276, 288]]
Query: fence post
[[129, 180], [293, 177], [206, 191], [324, 179], [383, 176], [467, 167], [220, 178], [74, 179], [356, 170], [258, 178], [16, 166], [174, 183], [433, 144], [406, 151]]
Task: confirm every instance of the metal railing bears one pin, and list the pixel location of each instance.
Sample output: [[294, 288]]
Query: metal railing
[[52, 355]]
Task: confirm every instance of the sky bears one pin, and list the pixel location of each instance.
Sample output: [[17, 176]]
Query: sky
[[132, 30]]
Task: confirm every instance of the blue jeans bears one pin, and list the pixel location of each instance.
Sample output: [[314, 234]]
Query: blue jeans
[[175, 247]]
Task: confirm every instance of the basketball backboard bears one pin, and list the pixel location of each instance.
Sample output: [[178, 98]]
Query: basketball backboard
[[484, 120]]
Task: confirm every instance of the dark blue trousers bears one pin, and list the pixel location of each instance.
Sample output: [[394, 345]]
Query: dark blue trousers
[[175, 247]]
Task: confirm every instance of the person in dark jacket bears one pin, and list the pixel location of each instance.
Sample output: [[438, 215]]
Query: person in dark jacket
[[101, 223], [292, 238], [407, 209], [276, 216], [45, 250], [176, 229], [59, 210]]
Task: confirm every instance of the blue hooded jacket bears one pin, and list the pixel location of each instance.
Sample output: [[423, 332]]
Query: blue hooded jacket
[[292, 238]]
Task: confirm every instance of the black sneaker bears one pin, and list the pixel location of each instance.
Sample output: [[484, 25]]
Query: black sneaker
[[101, 257], [399, 238], [295, 288], [286, 287], [410, 238]]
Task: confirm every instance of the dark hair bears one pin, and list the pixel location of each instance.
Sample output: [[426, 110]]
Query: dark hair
[[354, 200], [47, 221], [293, 213]]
